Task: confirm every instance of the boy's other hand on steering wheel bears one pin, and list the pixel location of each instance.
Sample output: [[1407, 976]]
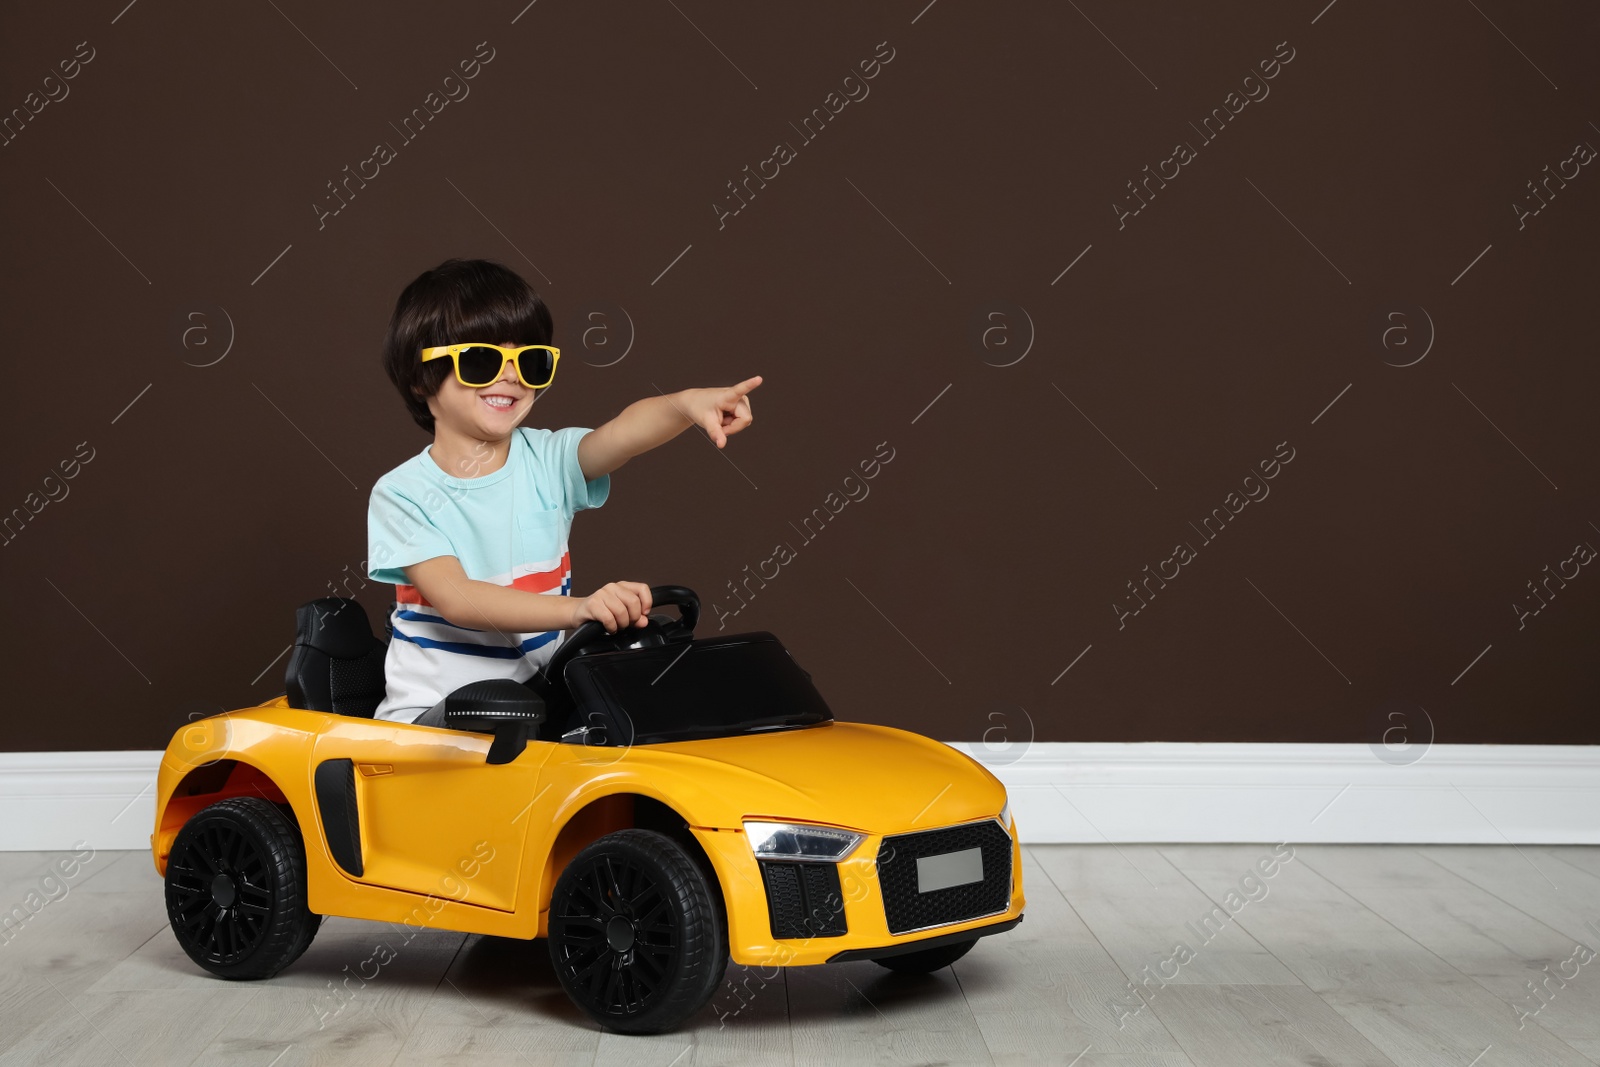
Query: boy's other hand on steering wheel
[[614, 606]]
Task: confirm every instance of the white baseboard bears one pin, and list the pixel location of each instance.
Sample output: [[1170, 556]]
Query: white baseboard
[[1069, 792], [53, 801], [1061, 792]]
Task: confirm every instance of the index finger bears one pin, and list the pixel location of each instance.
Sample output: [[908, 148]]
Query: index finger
[[747, 385]]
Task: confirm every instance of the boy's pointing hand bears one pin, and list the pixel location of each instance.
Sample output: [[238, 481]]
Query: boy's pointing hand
[[723, 412]]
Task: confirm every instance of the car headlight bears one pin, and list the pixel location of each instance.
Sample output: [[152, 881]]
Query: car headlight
[[797, 841], [1005, 815]]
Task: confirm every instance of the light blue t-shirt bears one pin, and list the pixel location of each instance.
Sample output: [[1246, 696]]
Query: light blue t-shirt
[[508, 527]]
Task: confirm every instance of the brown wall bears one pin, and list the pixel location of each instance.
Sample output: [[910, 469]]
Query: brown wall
[[1037, 468]]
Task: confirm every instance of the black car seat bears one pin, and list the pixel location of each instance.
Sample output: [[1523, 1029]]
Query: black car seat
[[336, 664]]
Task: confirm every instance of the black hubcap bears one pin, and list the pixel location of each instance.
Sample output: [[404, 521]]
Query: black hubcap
[[219, 893], [619, 934], [615, 935], [223, 892]]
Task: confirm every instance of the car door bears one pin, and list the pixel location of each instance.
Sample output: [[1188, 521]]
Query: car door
[[419, 810]]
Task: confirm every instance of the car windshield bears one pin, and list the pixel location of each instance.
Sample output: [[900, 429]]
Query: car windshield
[[716, 687]]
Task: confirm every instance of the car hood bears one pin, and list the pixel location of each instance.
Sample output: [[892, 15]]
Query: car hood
[[872, 778]]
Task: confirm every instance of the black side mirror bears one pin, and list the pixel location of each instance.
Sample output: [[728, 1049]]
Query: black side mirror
[[501, 706]]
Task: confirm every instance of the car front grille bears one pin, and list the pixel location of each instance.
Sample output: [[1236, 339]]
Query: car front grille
[[908, 910], [803, 899]]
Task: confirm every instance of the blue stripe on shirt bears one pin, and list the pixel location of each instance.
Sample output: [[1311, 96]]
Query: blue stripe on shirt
[[489, 651], [417, 616]]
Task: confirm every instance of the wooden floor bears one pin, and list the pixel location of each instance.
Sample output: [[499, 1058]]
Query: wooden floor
[[1357, 955]]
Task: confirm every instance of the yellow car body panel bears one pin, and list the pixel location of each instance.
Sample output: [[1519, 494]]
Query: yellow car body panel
[[450, 842]]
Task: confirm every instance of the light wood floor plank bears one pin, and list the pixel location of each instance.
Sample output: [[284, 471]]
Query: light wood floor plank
[[1263, 1026], [1018, 1039], [165, 1027], [1049, 985], [495, 1006], [1583, 857], [1424, 1024], [278, 1022], [68, 944], [21, 872], [1554, 890], [860, 1013], [1141, 908], [356, 996], [747, 1021], [1035, 999], [1048, 915], [1326, 938], [1477, 933], [512, 982], [1590, 1049], [1407, 1001]]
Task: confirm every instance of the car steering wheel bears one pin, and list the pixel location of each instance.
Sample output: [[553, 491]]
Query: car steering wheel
[[688, 605]]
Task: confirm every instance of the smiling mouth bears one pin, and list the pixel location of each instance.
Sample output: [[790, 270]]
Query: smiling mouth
[[500, 402]]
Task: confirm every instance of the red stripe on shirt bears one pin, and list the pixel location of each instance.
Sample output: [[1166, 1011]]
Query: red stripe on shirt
[[536, 582]]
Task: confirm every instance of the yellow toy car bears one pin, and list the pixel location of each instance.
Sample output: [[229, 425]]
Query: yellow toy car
[[652, 803]]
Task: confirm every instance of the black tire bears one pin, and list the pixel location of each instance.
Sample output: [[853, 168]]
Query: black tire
[[306, 938], [236, 890], [928, 960], [636, 937]]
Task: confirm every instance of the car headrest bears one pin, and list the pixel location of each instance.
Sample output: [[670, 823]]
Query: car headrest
[[335, 626], [336, 664]]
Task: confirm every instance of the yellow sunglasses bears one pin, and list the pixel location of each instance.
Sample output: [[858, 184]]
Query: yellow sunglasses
[[479, 365]]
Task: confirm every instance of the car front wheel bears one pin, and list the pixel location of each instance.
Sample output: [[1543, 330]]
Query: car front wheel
[[635, 934], [928, 960], [236, 889]]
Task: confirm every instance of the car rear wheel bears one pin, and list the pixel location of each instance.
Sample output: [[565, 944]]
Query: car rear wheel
[[928, 960], [236, 890], [635, 934]]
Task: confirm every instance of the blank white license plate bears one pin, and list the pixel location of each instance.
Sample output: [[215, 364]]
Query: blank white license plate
[[948, 869]]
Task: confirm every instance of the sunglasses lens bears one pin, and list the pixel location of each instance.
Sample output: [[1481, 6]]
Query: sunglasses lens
[[480, 365], [537, 366]]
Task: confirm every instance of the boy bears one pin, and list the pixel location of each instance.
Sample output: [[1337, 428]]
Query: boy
[[472, 531]]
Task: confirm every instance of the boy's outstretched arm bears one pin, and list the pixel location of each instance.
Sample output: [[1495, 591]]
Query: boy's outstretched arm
[[655, 420]]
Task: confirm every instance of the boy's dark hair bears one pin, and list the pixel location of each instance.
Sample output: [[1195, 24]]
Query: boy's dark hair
[[459, 300]]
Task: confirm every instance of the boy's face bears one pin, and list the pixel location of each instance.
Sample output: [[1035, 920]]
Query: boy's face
[[487, 414]]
